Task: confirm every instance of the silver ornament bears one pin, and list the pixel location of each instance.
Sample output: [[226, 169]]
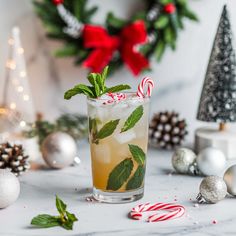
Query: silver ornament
[[182, 159], [9, 188], [59, 150], [230, 180], [212, 190], [211, 161]]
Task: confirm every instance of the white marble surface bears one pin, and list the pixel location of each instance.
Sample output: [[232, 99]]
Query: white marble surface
[[73, 185]]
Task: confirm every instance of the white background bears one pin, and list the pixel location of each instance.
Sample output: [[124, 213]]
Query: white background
[[179, 77]]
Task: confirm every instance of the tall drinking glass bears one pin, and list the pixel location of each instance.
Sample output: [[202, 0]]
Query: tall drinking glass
[[118, 135]]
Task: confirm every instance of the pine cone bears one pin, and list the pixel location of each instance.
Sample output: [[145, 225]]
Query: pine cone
[[166, 130], [12, 157]]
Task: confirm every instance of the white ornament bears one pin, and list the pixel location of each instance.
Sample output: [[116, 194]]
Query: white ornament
[[9, 188], [182, 159], [211, 161], [59, 150], [230, 180]]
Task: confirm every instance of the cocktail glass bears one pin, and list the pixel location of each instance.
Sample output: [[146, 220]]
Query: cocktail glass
[[118, 135]]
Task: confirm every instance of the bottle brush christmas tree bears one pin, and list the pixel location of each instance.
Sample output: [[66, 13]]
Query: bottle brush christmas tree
[[218, 98]]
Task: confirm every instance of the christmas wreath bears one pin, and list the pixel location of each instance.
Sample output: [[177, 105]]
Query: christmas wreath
[[118, 41]]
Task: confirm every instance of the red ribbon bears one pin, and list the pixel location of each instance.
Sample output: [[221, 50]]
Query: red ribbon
[[104, 46]]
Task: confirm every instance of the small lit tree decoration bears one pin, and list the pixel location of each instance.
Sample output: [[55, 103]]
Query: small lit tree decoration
[[17, 105]]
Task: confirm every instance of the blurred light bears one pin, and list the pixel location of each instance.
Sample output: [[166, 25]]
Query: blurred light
[[11, 65], [26, 97], [13, 106], [3, 111], [20, 89], [22, 123], [22, 73], [20, 50], [10, 41]]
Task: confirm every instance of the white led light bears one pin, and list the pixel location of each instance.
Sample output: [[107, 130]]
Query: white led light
[[12, 105], [22, 73], [20, 50], [26, 97], [20, 89], [11, 65], [22, 123]]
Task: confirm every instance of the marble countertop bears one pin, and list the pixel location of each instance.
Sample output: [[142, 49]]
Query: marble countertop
[[73, 185]]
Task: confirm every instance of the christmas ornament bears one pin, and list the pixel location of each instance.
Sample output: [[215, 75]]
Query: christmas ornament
[[212, 190], [230, 180], [175, 211], [167, 130], [59, 150], [118, 41], [75, 125], [218, 98], [211, 161], [183, 159], [9, 188], [13, 158]]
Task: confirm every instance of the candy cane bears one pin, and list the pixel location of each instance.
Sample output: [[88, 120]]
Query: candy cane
[[150, 83], [115, 97], [175, 211]]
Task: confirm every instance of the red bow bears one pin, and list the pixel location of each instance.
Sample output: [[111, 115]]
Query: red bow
[[105, 45]]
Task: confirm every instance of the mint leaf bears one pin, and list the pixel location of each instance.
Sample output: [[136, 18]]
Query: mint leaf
[[106, 130], [133, 119], [65, 219], [92, 78], [61, 206], [117, 88], [104, 74], [137, 153], [45, 221], [120, 174], [137, 179], [79, 89]]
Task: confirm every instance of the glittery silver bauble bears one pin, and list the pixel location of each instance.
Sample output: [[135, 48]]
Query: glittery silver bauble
[[230, 179], [9, 188], [211, 161], [59, 150], [182, 159], [212, 190]]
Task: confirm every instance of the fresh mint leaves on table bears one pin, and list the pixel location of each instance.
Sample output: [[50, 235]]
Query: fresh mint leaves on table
[[134, 117], [97, 88], [65, 219]]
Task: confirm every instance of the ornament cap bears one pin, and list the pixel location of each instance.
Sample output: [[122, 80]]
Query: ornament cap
[[201, 199]]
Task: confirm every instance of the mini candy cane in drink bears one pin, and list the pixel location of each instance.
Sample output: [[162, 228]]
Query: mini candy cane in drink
[[174, 211], [141, 87]]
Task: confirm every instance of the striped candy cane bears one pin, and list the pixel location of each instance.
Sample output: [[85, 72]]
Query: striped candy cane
[[115, 97], [174, 211], [141, 87]]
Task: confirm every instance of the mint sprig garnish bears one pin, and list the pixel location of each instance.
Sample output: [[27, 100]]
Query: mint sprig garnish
[[134, 117], [97, 88], [120, 174], [65, 218]]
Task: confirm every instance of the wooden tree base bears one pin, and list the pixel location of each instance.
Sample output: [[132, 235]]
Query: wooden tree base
[[225, 140]]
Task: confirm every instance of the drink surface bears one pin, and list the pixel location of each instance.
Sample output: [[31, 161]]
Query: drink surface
[[118, 143]]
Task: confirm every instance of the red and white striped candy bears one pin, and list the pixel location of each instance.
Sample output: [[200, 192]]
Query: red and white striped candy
[[141, 87], [174, 211], [115, 97]]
